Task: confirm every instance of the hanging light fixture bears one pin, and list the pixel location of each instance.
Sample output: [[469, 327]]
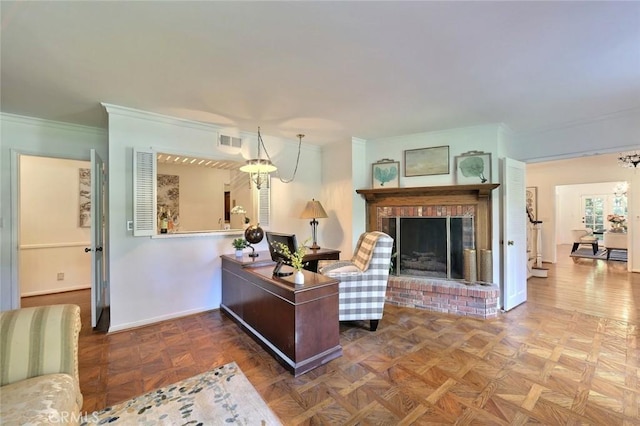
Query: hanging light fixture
[[621, 189], [259, 168], [630, 160]]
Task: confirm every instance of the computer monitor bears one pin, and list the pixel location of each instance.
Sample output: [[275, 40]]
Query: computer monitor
[[277, 256]]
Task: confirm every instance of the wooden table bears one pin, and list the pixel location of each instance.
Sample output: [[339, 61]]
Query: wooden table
[[296, 323], [312, 256]]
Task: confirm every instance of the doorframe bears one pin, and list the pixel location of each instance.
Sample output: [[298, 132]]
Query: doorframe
[[15, 212], [556, 214]]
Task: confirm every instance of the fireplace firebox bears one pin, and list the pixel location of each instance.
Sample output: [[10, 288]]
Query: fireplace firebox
[[430, 246]]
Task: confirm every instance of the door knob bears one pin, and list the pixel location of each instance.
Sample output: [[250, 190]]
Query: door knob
[[87, 249], [98, 248], [510, 242]]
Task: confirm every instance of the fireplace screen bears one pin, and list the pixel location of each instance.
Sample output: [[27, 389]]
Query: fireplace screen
[[430, 246]]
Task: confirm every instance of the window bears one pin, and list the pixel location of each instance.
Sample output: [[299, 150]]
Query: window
[[186, 194]]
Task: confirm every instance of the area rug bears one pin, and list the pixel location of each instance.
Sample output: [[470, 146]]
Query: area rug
[[587, 253], [222, 396]]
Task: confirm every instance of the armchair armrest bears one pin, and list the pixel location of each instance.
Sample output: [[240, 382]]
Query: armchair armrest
[[38, 341], [339, 268]]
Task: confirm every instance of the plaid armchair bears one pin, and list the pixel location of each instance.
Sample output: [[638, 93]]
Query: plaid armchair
[[363, 279]]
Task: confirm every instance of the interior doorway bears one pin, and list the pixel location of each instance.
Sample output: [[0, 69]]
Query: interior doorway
[[53, 231], [580, 206]]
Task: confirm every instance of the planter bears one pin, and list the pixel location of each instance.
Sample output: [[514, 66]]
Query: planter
[[239, 253], [298, 277]]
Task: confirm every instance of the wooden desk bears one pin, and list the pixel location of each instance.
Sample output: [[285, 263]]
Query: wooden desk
[[297, 324]]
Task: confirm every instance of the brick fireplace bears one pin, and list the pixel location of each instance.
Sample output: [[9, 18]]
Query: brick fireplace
[[468, 205]]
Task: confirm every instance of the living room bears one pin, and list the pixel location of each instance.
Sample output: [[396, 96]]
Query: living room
[[552, 85]]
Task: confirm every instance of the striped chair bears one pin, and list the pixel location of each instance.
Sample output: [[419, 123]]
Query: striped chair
[[363, 279], [39, 365]]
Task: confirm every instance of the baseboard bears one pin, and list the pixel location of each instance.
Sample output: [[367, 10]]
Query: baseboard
[[539, 272], [136, 324], [57, 290]]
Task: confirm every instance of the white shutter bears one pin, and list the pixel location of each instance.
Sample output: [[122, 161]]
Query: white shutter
[[144, 193], [264, 204]]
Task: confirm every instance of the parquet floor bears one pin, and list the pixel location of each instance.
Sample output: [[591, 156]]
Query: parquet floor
[[569, 356]]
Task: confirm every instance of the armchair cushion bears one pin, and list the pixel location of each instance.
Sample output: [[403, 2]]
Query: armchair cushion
[[583, 235], [39, 365], [340, 267]]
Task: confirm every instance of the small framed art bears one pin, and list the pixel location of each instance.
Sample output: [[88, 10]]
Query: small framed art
[[473, 167], [385, 174], [532, 202], [426, 161]]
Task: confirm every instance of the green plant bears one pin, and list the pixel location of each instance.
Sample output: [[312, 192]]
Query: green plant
[[296, 258], [239, 243]]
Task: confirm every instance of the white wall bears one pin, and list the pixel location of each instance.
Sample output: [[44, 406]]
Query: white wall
[[340, 172], [32, 136], [159, 278], [584, 170], [51, 239]]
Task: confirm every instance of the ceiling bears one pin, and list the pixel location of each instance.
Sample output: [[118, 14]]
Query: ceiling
[[330, 70]]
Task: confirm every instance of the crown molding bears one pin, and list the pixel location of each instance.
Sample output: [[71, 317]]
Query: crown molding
[[159, 118], [59, 125]]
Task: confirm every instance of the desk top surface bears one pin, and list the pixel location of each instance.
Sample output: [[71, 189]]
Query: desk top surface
[[264, 268]]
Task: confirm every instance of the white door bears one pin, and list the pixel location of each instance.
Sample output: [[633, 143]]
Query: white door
[[593, 211], [98, 284], [514, 234]]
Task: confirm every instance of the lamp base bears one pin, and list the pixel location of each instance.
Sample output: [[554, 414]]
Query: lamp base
[[314, 246]]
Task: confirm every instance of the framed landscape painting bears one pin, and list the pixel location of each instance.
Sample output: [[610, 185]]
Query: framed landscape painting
[[426, 161], [385, 174]]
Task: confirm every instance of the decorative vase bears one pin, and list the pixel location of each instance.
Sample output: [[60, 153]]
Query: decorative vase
[[238, 253], [298, 277]]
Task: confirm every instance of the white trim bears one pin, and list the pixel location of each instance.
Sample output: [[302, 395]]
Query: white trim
[[53, 245], [159, 118], [58, 290], [160, 318], [35, 121], [14, 220], [189, 234]]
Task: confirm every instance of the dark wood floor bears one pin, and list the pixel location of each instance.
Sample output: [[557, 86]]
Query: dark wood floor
[[569, 356]]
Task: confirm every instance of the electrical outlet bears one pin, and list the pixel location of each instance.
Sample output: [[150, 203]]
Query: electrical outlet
[[129, 225], [60, 276]]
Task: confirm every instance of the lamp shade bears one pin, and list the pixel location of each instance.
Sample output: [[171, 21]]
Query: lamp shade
[[313, 210], [258, 165]]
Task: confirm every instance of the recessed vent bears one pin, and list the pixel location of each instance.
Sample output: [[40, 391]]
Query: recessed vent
[[230, 141]]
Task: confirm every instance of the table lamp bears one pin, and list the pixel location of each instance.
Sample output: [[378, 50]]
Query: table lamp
[[314, 210]]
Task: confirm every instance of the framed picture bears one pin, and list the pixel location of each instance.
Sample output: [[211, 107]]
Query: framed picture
[[84, 213], [532, 202], [426, 161], [385, 174], [473, 167]]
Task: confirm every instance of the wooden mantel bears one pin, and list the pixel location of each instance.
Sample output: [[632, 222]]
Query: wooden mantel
[[428, 201], [482, 190]]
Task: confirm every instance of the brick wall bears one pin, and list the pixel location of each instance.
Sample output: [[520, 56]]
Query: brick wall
[[432, 294]]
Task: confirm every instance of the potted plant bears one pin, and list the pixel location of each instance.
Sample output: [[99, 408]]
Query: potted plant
[[296, 259], [239, 244]]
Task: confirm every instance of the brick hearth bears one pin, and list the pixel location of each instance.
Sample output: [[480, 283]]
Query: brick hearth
[[447, 296]]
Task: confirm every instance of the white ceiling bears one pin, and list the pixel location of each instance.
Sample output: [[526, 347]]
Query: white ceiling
[[331, 70]]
